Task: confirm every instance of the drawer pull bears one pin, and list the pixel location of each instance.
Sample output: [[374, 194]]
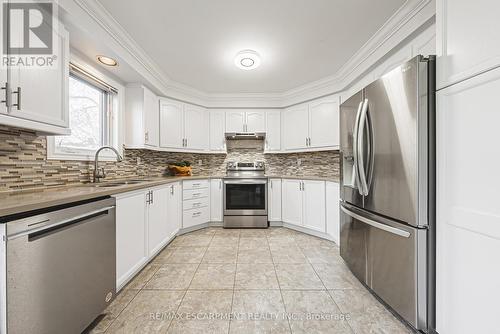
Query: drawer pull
[[196, 214], [196, 204], [196, 194]]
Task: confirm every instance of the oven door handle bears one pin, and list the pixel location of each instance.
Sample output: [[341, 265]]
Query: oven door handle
[[245, 181]]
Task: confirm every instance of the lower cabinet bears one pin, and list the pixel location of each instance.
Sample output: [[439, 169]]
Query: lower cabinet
[[216, 198], [332, 211], [274, 200], [304, 204], [145, 222]]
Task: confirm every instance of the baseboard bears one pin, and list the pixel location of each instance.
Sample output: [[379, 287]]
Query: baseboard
[[310, 232], [275, 224]]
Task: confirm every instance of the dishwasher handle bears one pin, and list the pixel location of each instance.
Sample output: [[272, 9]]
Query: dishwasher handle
[[65, 222]]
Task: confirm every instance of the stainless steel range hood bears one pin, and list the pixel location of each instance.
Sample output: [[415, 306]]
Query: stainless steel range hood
[[245, 135]]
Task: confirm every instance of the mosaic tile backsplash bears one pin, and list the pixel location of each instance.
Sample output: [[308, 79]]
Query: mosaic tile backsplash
[[24, 164]]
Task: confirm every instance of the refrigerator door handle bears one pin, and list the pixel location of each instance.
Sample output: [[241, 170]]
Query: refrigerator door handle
[[360, 149], [355, 147], [375, 224]]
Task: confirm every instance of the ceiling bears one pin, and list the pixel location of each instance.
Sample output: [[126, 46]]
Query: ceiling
[[300, 41]]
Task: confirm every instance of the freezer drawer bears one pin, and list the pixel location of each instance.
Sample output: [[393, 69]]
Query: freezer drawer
[[390, 258]]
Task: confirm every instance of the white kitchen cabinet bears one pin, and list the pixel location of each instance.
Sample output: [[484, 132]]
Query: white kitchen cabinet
[[195, 128], [332, 211], [296, 127], [142, 114], [195, 203], [217, 131], [183, 127], [255, 121], [314, 210], [292, 201], [158, 216], [245, 121], [274, 200], [468, 214], [174, 208], [324, 123], [131, 238], [38, 96], [467, 39], [273, 131], [171, 124], [216, 198], [235, 121]]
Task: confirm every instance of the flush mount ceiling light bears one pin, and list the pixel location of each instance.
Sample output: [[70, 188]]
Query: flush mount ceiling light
[[108, 61], [247, 60]]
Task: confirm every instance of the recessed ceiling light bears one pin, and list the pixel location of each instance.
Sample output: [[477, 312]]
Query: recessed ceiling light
[[247, 60], [108, 61]]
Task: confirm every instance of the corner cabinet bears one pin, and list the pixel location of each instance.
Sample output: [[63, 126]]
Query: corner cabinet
[[141, 118], [312, 126], [38, 97], [273, 131], [183, 127]]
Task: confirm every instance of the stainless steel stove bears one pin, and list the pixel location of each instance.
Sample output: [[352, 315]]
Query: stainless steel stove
[[245, 195]]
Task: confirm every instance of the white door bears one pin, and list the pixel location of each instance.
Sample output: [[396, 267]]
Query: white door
[[332, 211], [295, 127], [158, 229], [292, 201], [273, 131], [174, 208], [217, 129], [42, 93], [131, 248], [151, 119], [467, 39], [255, 121], [324, 123], [171, 124], [216, 200], [235, 121], [195, 127], [274, 196], [468, 213], [314, 205]]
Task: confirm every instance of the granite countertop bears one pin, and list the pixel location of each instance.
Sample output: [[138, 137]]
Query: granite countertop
[[16, 202]]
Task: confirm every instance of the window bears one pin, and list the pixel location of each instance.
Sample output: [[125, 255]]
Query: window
[[92, 105]]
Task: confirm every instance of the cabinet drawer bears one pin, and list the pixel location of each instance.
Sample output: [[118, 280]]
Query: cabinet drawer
[[194, 194], [196, 217], [195, 184], [195, 203]]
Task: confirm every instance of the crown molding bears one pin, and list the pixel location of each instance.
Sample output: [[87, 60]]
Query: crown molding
[[411, 16]]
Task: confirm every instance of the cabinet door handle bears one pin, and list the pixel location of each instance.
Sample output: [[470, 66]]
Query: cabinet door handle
[[220, 184], [146, 136], [147, 197], [18, 92], [186, 142], [172, 190], [7, 95]]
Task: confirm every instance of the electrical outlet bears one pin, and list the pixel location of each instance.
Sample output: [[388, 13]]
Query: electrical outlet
[[200, 162], [299, 162], [138, 161]]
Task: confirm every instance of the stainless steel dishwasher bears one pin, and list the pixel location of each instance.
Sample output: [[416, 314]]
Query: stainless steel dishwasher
[[61, 268]]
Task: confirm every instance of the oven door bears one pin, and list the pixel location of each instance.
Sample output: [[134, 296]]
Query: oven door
[[245, 197]]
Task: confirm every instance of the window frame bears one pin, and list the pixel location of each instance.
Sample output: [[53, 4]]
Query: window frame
[[114, 119]]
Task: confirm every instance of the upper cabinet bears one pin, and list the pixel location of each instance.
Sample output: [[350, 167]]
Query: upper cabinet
[[217, 131], [273, 131], [183, 127], [312, 127], [141, 118], [467, 39], [245, 121], [36, 97]]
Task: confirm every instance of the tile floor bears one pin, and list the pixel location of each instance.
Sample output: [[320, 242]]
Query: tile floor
[[247, 281]]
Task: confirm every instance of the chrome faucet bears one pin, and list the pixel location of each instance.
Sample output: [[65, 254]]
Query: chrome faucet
[[99, 172]]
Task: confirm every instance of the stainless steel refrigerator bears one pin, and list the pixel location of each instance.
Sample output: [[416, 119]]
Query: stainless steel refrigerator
[[387, 189]]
